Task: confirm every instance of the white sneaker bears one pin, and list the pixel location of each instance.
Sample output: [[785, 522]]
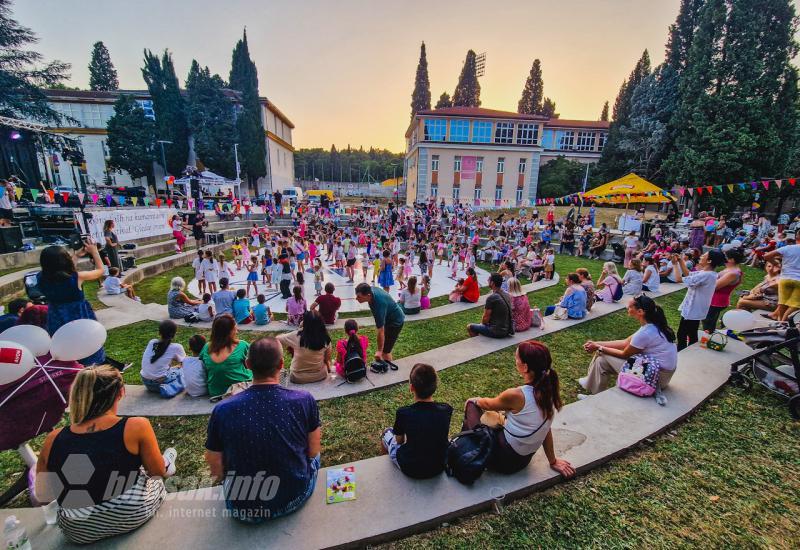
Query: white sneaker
[[170, 455], [583, 382], [582, 396]]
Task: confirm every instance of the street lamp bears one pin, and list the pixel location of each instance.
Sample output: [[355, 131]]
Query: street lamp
[[164, 160]]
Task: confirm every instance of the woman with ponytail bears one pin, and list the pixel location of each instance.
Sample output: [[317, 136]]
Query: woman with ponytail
[[124, 486], [529, 410], [158, 357], [354, 342], [654, 338]]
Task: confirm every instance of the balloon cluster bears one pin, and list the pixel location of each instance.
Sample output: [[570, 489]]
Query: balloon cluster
[[738, 320], [25, 347]]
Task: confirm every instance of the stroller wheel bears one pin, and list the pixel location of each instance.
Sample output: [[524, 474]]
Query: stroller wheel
[[794, 407], [739, 380]]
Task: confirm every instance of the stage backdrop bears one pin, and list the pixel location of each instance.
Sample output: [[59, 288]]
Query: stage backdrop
[[130, 223]]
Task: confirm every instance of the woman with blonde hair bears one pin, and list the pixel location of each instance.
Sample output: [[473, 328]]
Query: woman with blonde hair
[[608, 283], [521, 313], [125, 484]]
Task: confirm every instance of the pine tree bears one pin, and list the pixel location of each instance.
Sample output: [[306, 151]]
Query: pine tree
[[421, 96], [131, 139], [252, 144], [211, 119], [102, 74], [549, 108], [681, 34], [468, 90], [531, 101], [169, 107], [444, 101], [604, 112], [22, 74]]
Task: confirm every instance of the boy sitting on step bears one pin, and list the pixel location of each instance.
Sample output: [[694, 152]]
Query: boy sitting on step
[[417, 444], [113, 285]]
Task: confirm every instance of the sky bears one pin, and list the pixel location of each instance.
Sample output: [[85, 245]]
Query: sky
[[343, 70]]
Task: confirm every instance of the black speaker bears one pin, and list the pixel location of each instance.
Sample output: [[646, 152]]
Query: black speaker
[[128, 262], [10, 239], [194, 185]]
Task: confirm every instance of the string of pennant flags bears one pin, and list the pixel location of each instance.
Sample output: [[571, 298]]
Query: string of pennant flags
[[120, 200], [575, 198]]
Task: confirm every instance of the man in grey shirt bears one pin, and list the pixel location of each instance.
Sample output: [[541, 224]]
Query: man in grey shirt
[[223, 298], [496, 322]]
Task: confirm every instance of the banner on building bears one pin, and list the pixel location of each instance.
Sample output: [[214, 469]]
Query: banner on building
[[129, 223], [468, 167]]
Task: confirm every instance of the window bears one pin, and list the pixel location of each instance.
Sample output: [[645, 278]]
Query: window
[[501, 165], [481, 132], [504, 132], [93, 116], [519, 196], [434, 163], [456, 193], [435, 129], [434, 190], [477, 195], [72, 114], [498, 193], [601, 140], [457, 164], [566, 140], [522, 164], [147, 107], [459, 130], [585, 141], [479, 165], [527, 134]]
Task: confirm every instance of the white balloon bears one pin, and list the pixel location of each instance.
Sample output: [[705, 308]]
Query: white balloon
[[32, 337], [738, 320], [15, 361], [78, 339]]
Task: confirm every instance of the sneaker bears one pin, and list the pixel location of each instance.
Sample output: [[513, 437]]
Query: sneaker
[[583, 382], [582, 396], [138, 299], [170, 455]]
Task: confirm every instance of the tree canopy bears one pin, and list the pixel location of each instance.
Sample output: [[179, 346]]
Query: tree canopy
[[531, 101], [131, 139], [347, 164], [102, 74], [421, 96], [468, 90], [444, 101]]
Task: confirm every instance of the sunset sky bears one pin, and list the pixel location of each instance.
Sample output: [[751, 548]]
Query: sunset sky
[[343, 70]]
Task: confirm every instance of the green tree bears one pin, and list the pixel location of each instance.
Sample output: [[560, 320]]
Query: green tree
[[549, 108], [468, 90], [681, 34], [444, 101], [531, 101], [561, 176], [22, 74], [102, 74], [169, 107], [604, 112], [131, 138], [421, 96], [338, 165], [211, 120], [250, 128]]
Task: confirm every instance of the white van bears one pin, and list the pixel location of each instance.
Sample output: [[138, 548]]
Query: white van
[[292, 195]]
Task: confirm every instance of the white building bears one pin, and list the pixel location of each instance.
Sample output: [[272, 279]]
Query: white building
[[90, 111]]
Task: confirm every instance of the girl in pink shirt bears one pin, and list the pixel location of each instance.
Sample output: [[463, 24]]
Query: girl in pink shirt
[[354, 342], [295, 307]]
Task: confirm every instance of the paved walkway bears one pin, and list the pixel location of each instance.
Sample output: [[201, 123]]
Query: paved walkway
[[389, 505], [139, 402]]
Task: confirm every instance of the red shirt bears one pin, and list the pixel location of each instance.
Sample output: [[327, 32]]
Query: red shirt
[[328, 306], [471, 290]]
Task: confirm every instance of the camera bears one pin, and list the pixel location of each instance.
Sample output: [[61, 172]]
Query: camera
[[78, 240], [32, 289]]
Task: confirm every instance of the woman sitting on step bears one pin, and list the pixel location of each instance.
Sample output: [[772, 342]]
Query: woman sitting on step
[[523, 415], [126, 487], [310, 348]]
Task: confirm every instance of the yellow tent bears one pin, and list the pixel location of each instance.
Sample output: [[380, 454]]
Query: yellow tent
[[627, 189], [393, 182]]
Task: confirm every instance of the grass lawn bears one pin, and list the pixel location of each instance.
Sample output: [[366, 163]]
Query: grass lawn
[[728, 476]]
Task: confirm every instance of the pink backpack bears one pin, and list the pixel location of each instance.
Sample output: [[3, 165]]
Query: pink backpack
[[639, 376]]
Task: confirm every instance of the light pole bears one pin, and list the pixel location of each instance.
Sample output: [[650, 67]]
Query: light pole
[[585, 180], [396, 186], [238, 168], [164, 162]]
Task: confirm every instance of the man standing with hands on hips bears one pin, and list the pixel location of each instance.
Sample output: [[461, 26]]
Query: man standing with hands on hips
[[389, 319]]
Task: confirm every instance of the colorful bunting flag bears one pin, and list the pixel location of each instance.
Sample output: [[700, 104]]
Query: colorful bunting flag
[[81, 196], [51, 194], [765, 183], [158, 203], [108, 200], [18, 192], [65, 196], [135, 200], [35, 194], [730, 188], [95, 198]]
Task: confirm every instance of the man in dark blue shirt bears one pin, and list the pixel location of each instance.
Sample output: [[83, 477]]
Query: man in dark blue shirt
[[264, 443], [15, 309]]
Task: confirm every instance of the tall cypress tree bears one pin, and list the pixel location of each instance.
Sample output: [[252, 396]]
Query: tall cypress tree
[[531, 101], [211, 119], [102, 74], [604, 112], [444, 101], [421, 96], [549, 108], [131, 139], [169, 107], [252, 139], [468, 90], [681, 34]]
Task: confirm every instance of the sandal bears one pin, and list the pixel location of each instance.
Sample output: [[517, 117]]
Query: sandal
[[392, 365], [379, 367]]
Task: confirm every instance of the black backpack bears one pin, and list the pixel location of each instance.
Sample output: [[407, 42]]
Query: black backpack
[[617, 295], [468, 454], [354, 366]]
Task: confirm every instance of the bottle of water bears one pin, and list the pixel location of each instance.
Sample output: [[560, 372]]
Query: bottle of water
[[15, 535]]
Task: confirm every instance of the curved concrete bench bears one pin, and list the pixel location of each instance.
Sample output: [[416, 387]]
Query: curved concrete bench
[[140, 402], [389, 505]]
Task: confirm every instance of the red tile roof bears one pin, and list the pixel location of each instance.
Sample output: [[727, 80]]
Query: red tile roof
[[563, 123], [477, 112]]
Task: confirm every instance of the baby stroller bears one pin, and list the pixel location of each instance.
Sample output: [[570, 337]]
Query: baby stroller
[[619, 253], [776, 364]]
